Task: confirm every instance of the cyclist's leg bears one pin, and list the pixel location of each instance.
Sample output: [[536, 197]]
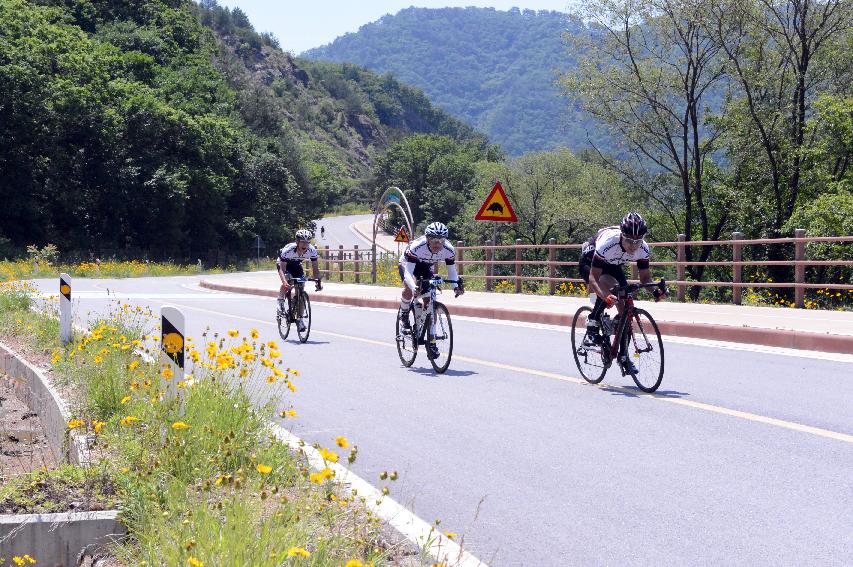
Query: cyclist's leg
[[296, 271], [406, 296], [284, 289]]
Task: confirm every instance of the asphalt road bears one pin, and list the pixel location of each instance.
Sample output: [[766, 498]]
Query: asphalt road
[[338, 232], [745, 457]]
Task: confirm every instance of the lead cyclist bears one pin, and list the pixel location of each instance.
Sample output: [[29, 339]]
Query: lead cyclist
[[289, 265]]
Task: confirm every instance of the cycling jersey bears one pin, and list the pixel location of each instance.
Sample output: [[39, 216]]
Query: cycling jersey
[[418, 257], [290, 254], [605, 248], [292, 260]]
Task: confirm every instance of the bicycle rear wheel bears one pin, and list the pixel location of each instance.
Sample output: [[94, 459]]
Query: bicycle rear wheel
[[283, 319], [590, 358], [303, 335], [407, 341], [443, 338], [645, 349]]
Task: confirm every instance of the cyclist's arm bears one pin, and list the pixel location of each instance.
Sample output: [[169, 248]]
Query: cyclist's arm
[[645, 272], [409, 275], [452, 273], [280, 269]]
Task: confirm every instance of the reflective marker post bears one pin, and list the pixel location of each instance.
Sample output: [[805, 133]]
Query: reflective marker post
[[172, 346], [65, 308]]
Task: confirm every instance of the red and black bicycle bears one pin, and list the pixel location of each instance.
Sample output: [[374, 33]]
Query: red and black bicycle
[[632, 340]]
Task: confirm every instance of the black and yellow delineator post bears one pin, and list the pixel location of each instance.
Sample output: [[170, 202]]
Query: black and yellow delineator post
[[65, 323], [172, 347]]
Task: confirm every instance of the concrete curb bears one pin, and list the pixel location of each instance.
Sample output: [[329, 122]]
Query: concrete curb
[[58, 539], [802, 340], [32, 387]]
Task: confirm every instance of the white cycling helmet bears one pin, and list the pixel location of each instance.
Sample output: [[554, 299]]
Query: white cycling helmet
[[303, 234], [436, 230]]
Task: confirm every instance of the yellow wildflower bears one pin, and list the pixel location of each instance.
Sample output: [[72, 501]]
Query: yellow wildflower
[[129, 420], [193, 562], [330, 456], [99, 359], [290, 386], [342, 442], [98, 425], [287, 413], [274, 353], [179, 425], [133, 365], [271, 379], [272, 344], [298, 552], [264, 469], [125, 399], [75, 423], [451, 535], [167, 373], [354, 563], [233, 334], [254, 333]]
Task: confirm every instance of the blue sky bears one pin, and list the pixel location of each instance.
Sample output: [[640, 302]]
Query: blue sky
[[302, 24]]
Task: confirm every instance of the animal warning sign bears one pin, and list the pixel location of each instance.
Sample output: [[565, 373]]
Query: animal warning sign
[[402, 235], [496, 207]]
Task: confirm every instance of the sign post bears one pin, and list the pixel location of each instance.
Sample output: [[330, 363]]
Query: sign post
[[65, 308], [260, 244], [496, 208], [172, 347]]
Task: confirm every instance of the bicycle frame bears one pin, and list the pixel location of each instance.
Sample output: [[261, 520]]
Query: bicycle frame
[[430, 295], [626, 297], [299, 284]]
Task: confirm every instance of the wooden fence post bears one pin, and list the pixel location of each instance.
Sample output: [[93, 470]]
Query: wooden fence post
[[489, 267], [679, 267], [341, 261], [552, 267], [328, 262], [799, 269], [517, 265], [460, 257], [357, 264], [737, 269]]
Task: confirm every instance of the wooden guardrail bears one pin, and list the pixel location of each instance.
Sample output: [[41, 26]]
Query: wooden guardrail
[[335, 263]]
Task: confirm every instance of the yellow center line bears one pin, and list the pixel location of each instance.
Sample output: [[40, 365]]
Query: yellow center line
[[826, 433]]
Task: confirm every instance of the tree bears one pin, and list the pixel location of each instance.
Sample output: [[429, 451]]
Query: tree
[[647, 71]]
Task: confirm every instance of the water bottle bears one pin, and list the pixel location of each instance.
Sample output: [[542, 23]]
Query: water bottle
[[606, 324], [419, 314]]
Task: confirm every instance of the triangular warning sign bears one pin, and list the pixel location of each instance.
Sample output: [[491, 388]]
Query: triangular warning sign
[[402, 235], [496, 207]]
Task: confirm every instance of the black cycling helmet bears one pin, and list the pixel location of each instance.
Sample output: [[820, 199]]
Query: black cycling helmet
[[633, 226]]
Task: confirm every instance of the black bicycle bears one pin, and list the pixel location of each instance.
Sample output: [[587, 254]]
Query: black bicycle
[[636, 342], [295, 302], [430, 326]]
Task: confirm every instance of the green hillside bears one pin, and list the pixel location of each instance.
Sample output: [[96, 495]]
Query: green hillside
[[491, 68], [169, 129]]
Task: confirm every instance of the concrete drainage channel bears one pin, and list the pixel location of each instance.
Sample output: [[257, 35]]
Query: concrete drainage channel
[[53, 539]]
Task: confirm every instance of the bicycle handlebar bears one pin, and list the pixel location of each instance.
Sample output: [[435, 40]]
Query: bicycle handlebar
[[304, 279], [631, 288]]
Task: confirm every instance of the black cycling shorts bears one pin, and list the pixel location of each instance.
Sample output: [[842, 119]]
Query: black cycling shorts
[[422, 271], [616, 272], [294, 269]]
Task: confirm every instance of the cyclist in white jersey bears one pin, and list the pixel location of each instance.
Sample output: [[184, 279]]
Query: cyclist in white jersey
[[289, 265], [602, 258], [418, 261]]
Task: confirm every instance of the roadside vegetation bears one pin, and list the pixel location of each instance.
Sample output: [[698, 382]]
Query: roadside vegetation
[[199, 477]]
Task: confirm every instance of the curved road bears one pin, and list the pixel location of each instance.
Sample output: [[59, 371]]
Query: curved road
[[745, 457]]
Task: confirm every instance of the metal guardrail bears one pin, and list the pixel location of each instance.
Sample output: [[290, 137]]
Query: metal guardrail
[[336, 260]]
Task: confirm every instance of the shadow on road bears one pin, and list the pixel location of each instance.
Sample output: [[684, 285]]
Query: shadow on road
[[308, 342], [449, 372], [634, 392]]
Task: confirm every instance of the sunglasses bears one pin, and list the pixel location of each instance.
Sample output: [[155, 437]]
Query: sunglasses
[[633, 241], [434, 240]]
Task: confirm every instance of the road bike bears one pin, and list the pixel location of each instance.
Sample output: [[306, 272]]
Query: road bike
[[636, 343], [430, 326], [295, 297]]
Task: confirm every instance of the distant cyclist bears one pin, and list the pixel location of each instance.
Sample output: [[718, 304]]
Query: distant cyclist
[[418, 261], [322, 232], [602, 258], [289, 265]]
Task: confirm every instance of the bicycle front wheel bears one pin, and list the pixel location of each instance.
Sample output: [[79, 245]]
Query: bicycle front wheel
[[407, 341], [283, 319], [306, 313], [589, 357], [443, 338], [645, 349]]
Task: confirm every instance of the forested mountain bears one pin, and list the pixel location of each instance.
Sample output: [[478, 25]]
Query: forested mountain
[[165, 128], [494, 69]]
